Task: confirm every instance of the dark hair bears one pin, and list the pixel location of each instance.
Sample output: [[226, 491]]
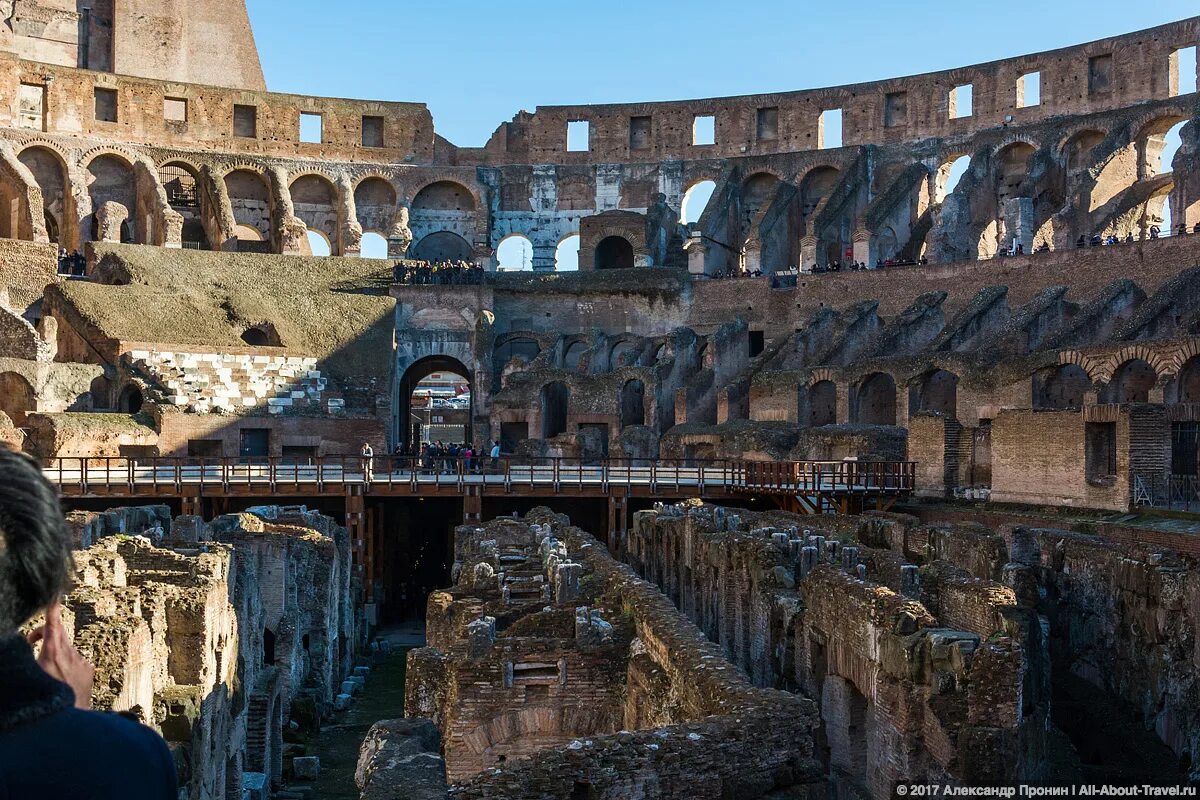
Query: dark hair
[[35, 551]]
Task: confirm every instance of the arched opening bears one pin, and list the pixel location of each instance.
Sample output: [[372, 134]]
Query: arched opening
[[695, 201], [435, 403], [525, 349], [318, 244], [17, 397], [182, 185], [1185, 388], [442, 246], [876, 400], [49, 172], [251, 203], [131, 400], [566, 257], [1012, 168], [633, 404], [314, 200], [374, 246], [1077, 152], [822, 404], [1061, 388], [375, 206], [934, 393], [572, 354], [555, 404], [515, 254], [101, 392], [262, 336], [615, 252], [1171, 142], [815, 187], [444, 196], [949, 176], [110, 180], [624, 354], [1131, 383]]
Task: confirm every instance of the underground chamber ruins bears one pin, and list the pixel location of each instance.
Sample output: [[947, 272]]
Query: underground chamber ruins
[[802, 444]]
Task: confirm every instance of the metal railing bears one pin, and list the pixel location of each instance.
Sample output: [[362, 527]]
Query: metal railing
[[82, 476]]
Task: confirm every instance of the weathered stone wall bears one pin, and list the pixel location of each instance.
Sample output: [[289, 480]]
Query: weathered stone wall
[[602, 627], [210, 633]]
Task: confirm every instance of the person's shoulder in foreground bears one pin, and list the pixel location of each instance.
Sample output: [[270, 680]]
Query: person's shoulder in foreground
[[51, 746]]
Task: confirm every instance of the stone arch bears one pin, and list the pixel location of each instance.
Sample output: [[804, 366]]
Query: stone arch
[[1077, 148], [632, 404], [17, 397], [442, 246], [1185, 386], [375, 201], [614, 252], [555, 408], [131, 399], [1061, 388], [514, 345], [315, 202], [50, 172], [1151, 140], [409, 431], [263, 335], [950, 174], [181, 181], [622, 347], [875, 400], [444, 195], [573, 350], [1131, 383], [935, 392], [566, 252], [113, 194], [515, 253], [250, 199], [691, 209], [822, 404]]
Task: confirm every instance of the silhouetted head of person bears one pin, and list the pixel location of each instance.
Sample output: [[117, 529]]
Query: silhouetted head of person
[[35, 550]]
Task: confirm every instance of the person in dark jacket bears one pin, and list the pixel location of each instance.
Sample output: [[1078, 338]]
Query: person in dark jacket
[[52, 747]]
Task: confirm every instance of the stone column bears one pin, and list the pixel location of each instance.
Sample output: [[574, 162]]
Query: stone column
[[808, 253], [862, 246]]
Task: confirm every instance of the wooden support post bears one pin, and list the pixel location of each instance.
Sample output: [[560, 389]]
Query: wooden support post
[[618, 523], [355, 525], [473, 505]]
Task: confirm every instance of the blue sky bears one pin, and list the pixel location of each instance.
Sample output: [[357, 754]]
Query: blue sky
[[477, 62]]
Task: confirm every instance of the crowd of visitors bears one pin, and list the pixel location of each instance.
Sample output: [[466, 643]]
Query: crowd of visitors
[[445, 273], [438, 458], [72, 265], [1156, 232]]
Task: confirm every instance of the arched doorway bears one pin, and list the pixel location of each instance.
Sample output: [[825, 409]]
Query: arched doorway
[[131, 400], [935, 392], [1061, 388], [435, 403], [566, 255], [1131, 383], [17, 397], [875, 400], [633, 404], [822, 404], [442, 246], [615, 252]]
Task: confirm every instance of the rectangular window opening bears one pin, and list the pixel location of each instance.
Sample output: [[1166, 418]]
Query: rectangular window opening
[[829, 134], [704, 130], [962, 101], [245, 122], [1101, 447], [372, 131], [311, 128], [31, 106], [1029, 90], [768, 124], [579, 136], [106, 105], [175, 109], [1183, 71], [1100, 74], [639, 133], [895, 110]]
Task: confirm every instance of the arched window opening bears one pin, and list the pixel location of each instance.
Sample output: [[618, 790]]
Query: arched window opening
[[374, 246], [566, 257], [573, 354], [17, 397], [633, 404], [822, 404], [131, 400], [935, 393], [318, 245], [876, 400], [525, 349], [1131, 383], [950, 176], [1186, 386], [515, 254], [555, 408], [444, 196], [1062, 389], [615, 252], [695, 201]]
